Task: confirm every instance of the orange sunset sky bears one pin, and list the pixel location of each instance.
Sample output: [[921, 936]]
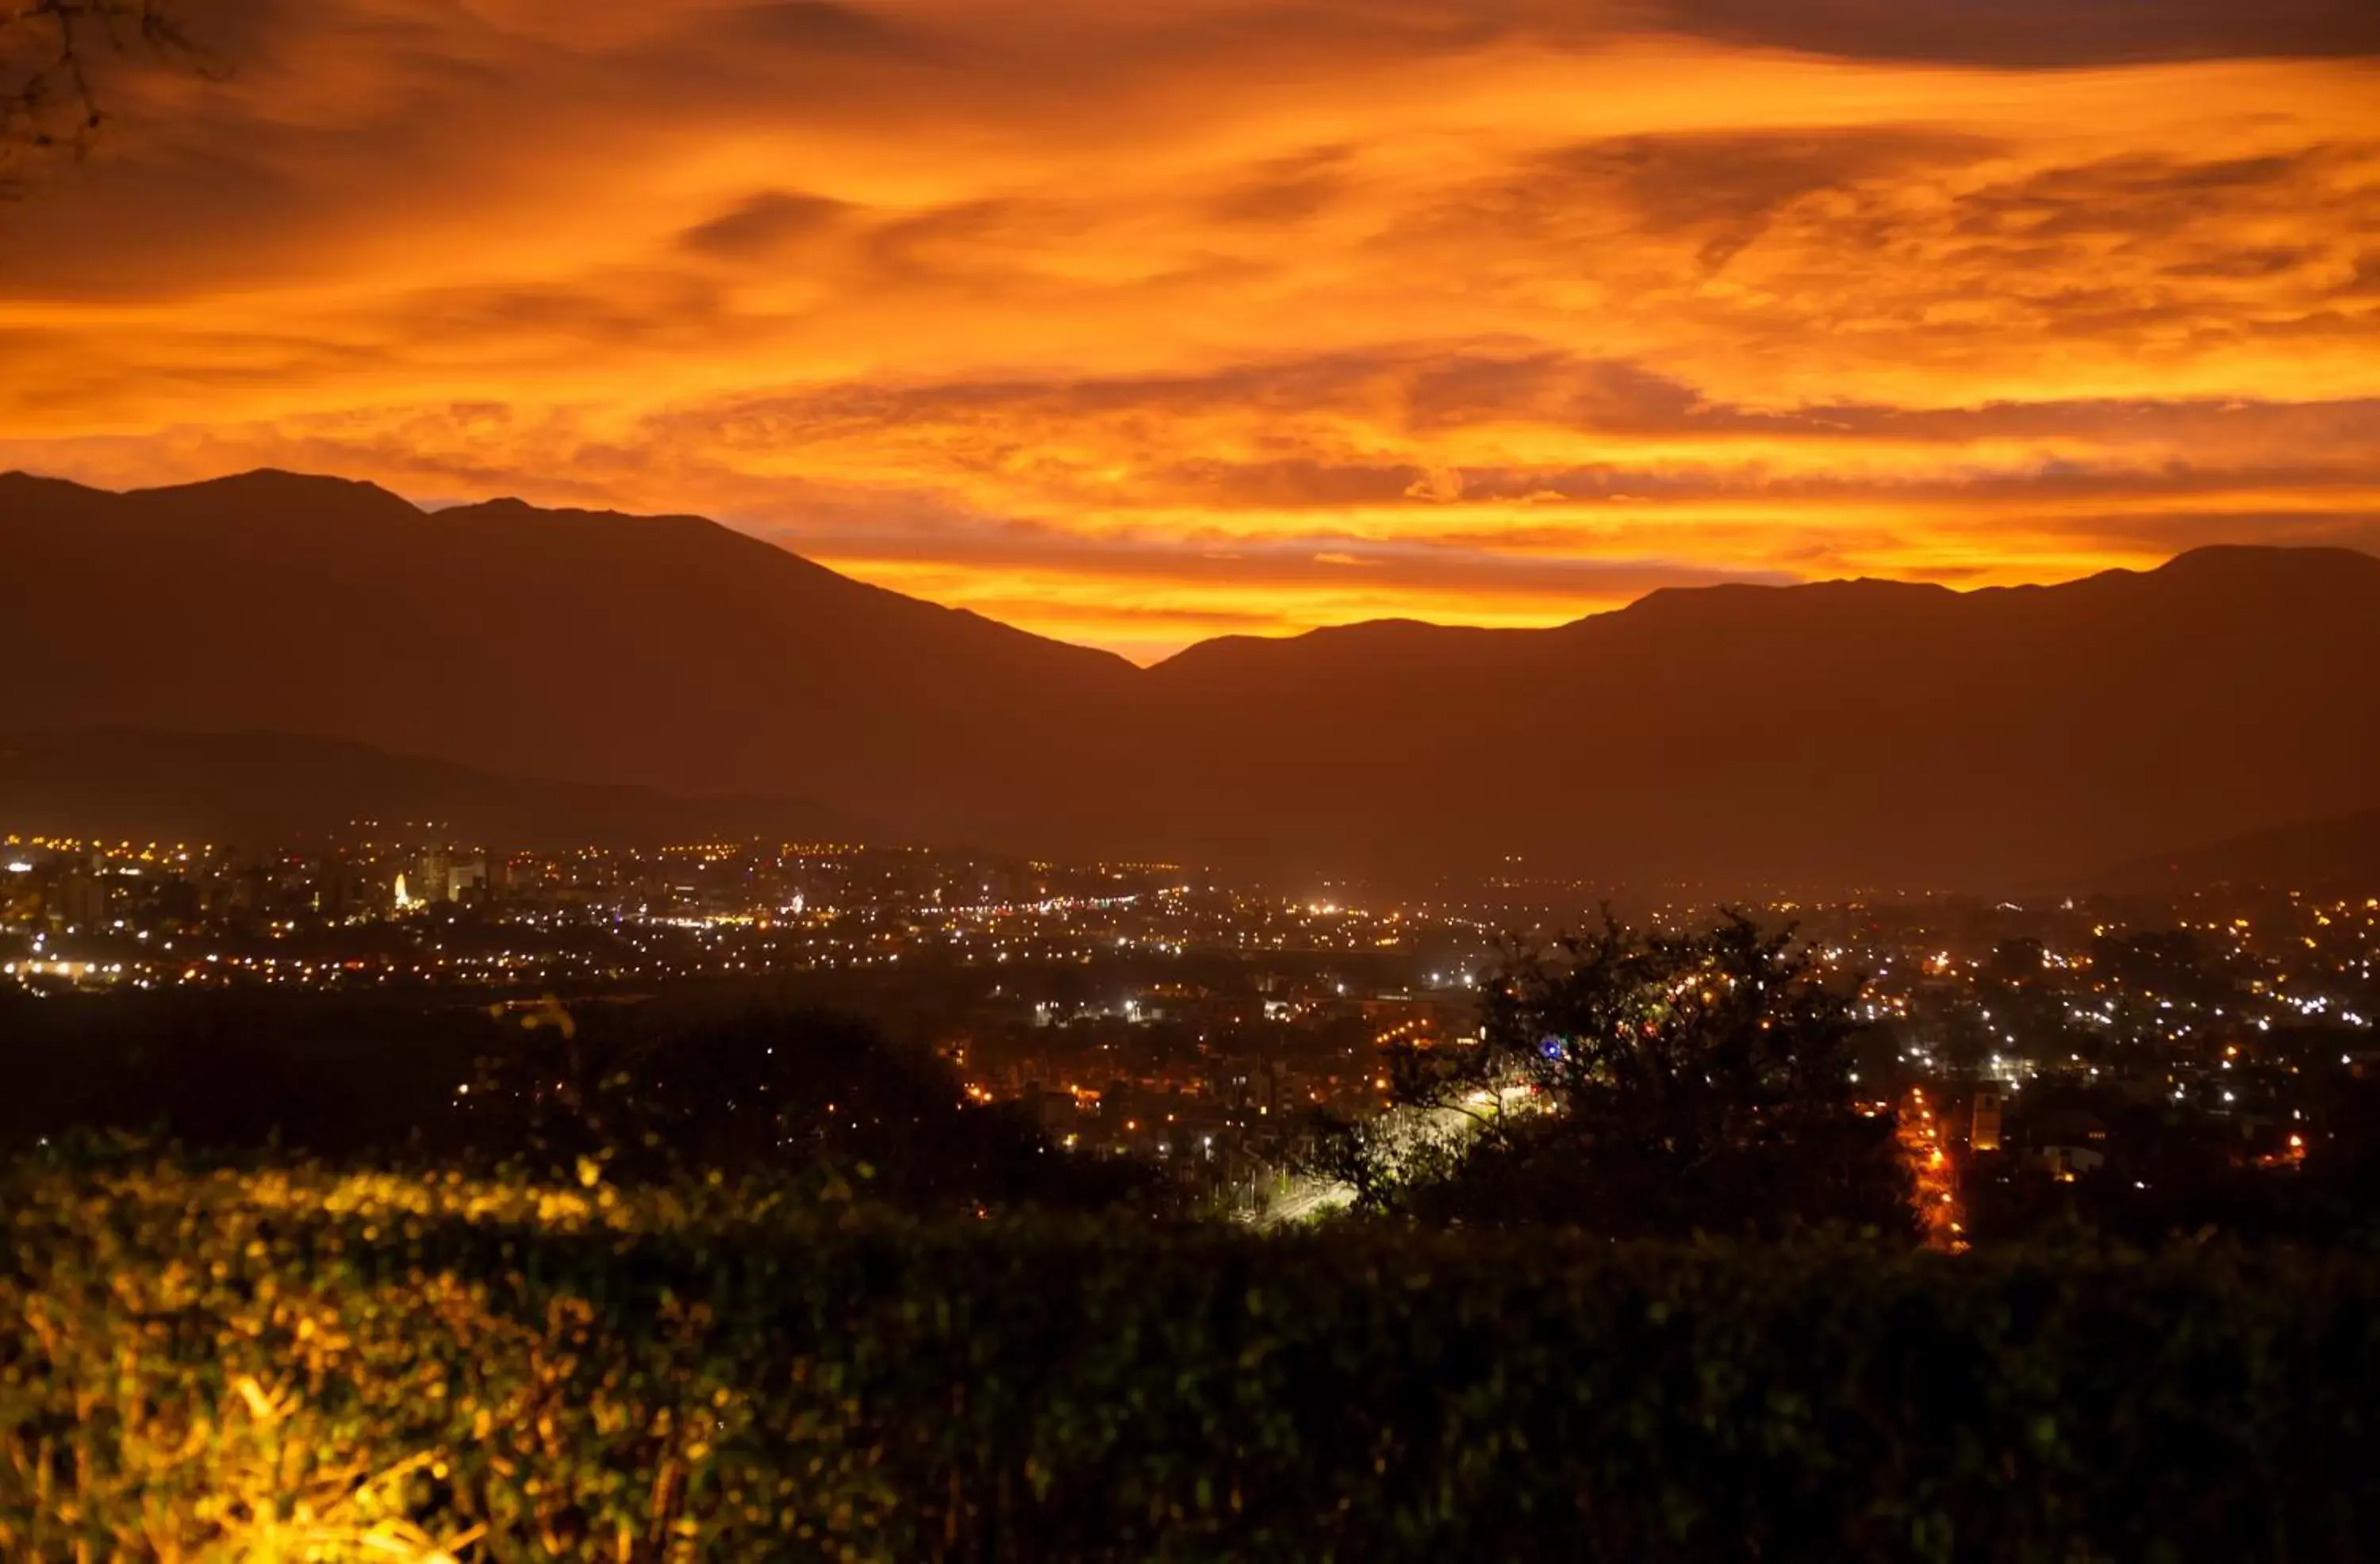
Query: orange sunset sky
[[1137, 322]]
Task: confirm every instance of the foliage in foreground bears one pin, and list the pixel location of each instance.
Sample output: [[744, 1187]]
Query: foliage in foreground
[[291, 1362], [1638, 1084], [655, 1091]]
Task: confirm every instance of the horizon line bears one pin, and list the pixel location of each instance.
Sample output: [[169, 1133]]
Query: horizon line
[[775, 542]]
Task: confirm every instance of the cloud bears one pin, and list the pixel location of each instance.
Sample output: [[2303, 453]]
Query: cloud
[[1285, 190], [2036, 34], [763, 224], [1721, 189], [1113, 318], [813, 27]]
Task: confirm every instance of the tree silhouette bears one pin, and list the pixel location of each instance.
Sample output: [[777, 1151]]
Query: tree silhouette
[[1636, 1084], [770, 1091], [50, 54]]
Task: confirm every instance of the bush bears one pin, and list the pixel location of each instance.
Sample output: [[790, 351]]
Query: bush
[[1637, 1084], [294, 1359], [651, 1090]]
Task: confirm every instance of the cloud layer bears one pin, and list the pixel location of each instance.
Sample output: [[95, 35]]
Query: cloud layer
[[1136, 324]]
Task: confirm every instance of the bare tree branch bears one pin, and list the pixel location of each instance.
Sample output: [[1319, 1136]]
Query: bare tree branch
[[52, 55]]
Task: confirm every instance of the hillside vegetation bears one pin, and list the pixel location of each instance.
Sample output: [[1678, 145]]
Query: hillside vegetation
[[288, 1361]]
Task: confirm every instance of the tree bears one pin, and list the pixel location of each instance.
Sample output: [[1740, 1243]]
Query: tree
[[768, 1092], [1636, 1084], [50, 51]]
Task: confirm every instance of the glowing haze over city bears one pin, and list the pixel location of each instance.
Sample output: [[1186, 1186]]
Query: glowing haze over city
[[1134, 324]]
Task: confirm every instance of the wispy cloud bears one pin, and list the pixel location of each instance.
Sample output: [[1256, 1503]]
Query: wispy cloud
[[1134, 322]]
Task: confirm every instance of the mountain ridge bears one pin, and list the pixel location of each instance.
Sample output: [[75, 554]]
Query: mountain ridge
[[2336, 852], [244, 484], [1860, 732]]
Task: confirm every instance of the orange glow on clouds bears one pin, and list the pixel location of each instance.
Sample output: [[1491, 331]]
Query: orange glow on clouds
[[1134, 324]]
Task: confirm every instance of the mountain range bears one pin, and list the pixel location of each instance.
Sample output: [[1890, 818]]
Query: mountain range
[[2341, 852], [1841, 734]]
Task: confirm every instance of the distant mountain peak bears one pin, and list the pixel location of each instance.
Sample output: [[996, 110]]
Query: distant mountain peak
[[279, 482], [1731, 599], [270, 493], [18, 481], [2265, 559]]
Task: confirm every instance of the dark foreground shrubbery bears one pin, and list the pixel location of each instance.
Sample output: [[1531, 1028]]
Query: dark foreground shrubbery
[[291, 1362], [1636, 1084], [650, 1090]]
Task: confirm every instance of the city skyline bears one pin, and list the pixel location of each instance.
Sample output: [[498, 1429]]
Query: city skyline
[[1136, 326]]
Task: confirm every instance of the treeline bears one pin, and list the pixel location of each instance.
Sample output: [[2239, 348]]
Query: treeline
[[649, 1092]]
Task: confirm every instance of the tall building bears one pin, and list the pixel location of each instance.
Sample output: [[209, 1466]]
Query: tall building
[[512, 875], [467, 879], [82, 901], [1983, 1129], [433, 877], [343, 887]]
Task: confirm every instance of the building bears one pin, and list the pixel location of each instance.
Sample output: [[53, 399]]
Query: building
[[1983, 1129], [467, 879], [2068, 1142], [432, 878], [81, 901]]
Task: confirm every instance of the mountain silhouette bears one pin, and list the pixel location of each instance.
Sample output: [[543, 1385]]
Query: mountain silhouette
[[263, 790], [1847, 734], [667, 651], [2337, 854], [1844, 734]]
